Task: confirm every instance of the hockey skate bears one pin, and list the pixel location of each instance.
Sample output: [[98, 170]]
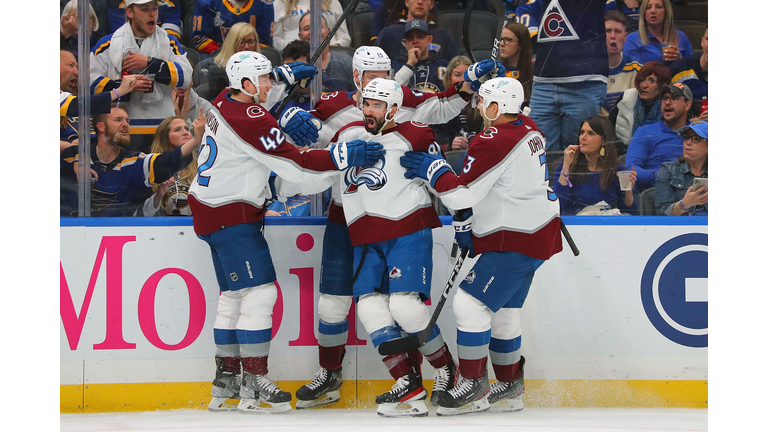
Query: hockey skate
[[256, 389], [323, 390], [226, 385], [406, 399], [468, 396], [445, 379], [508, 396]]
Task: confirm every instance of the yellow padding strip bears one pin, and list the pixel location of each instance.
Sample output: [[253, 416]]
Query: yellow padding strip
[[361, 395]]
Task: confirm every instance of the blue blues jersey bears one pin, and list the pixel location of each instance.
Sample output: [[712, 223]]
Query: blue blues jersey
[[633, 14], [213, 19], [570, 38], [620, 78], [169, 16], [688, 71]]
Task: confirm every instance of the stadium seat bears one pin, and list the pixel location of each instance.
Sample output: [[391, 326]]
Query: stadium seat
[[646, 202], [691, 10], [192, 55], [209, 80], [272, 54], [360, 28], [482, 34], [694, 30]]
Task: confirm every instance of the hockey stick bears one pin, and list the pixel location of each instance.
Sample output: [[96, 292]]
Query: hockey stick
[[292, 89], [568, 238], [417, 340]]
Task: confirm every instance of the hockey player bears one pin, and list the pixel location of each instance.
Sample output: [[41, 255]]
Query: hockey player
[[336, 110], [507, 211], [241, 145]]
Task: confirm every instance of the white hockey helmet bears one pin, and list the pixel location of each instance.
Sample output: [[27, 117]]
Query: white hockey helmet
[[506, 92], [385, 90], [250, 65], [370, 58]]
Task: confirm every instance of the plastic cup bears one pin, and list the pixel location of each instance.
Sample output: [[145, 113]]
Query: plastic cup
[[152, 86], [669, 51], [624, 182]]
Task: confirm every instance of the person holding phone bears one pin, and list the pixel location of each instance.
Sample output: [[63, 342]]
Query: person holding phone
[[681, 185]]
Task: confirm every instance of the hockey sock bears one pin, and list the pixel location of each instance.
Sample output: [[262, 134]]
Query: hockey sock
[[331, 357], [415, 357], [231, 364], [398, 365], [255, 365], [505, 357], [473, 352], [440, 358], [472, 369], [507, 373]]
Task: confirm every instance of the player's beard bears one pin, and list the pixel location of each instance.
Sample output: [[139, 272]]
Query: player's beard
[[374, 125]]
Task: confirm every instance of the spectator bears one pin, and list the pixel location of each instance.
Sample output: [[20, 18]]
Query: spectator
[[570, 74], [657, 28], [213, 19], [656, 143], [168, 16], [241, 37], [120, 176], [141, 47], [622, 69], [296, 51], [391, 37], [187, 104], [288, 16], [675, 195], [588, 172], [641, 105], [630, 8], [170, 196], [516, 54], [693, 71], [68, 27], [68, 91], [418, 67], [458, 132], [336, 64]]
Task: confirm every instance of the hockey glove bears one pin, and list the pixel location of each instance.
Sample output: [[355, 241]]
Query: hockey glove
[[301, 126], [481, 71], [424, 165], [296, 71], [356, 153], [462, 225]]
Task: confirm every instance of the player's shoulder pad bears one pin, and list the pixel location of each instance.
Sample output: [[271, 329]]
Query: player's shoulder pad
[[102, 45], [331, 103], [418, 134]]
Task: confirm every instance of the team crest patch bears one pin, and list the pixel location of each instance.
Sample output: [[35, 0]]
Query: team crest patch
[[233, 276], [395, 273], [470, 277], [555, 25], [374, 177]]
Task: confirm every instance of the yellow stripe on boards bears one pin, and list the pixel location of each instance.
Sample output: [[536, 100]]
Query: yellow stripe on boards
[[361, 395]]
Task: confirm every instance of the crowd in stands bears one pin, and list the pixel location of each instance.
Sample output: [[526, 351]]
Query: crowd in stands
[[621, 89]]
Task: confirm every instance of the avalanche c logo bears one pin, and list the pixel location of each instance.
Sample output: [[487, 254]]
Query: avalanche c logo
[[673, 290], [555, 25]]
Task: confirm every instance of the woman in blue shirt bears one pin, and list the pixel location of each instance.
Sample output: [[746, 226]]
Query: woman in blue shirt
[[655, 28], [589, 170]]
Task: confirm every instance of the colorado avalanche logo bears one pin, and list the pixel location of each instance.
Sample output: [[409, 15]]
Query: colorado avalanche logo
[[374, 177], [555, 25], [395, 273], [471, 276]]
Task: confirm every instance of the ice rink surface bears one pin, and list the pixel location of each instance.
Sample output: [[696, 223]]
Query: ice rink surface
[[335, 420]]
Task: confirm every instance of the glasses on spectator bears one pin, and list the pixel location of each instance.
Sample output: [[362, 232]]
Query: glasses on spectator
[[248, 42], [667, 97], [506, 40], [693, 138]]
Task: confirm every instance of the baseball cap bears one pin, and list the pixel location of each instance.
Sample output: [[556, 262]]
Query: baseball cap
[[133, 2], [678, 89], [416, 24], [700, 127]]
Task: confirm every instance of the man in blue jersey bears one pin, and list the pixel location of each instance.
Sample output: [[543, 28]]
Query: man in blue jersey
[[390, 38], [169, 16], [571, 70], [656, 143], [213, 18], [419, 68], [623, 69], [693, 71]]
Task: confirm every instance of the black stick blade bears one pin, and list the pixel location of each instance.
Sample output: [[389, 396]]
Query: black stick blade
[[399, 345]]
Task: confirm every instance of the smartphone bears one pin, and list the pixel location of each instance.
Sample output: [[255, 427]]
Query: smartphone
[[699, 182]]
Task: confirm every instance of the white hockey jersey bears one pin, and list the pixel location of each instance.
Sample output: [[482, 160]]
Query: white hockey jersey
[[241, 145], [505, 182]]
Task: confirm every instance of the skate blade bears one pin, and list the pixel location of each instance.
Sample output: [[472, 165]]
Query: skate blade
[[223, 404], [472, 407], [255, 406], [404, 409], [326, 399], [508, 405]]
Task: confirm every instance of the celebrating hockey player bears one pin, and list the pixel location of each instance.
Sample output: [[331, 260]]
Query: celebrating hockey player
[[337, 110], [507, 213], [241, 145]]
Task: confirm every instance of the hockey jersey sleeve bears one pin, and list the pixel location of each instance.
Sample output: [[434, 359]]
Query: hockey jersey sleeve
[[100, 64], [638, 153], [175, 72], [100, 104], [170, 19], [432, 108], [529, 15], [482, 167], [202, 26]]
